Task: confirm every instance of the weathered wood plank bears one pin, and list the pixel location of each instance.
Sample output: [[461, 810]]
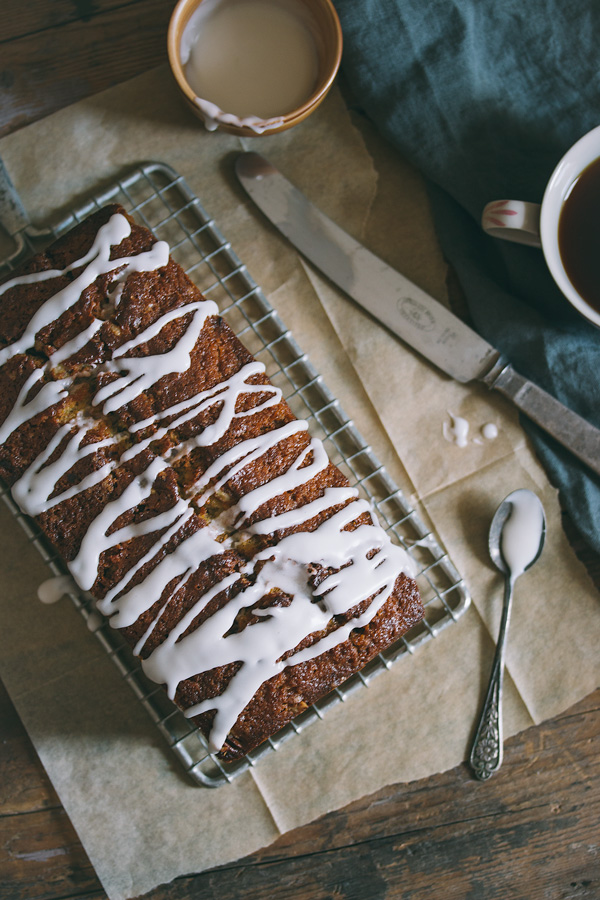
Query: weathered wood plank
[[557, 762], [511, 861], [49, 69], [538, 853], [531, 832], [20, 19], [42, 858], [24, 785], [540, 813]]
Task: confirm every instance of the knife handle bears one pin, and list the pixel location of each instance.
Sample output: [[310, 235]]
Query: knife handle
[[568, 428]]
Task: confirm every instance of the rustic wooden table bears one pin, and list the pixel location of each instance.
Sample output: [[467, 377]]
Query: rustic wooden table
[[531, 832]]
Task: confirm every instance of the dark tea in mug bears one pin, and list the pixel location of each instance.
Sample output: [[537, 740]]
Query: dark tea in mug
[[579, 234]]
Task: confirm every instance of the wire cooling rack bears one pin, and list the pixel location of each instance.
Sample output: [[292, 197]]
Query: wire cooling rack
[[160, 199]]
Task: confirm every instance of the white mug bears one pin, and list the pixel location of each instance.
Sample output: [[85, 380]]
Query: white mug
[[538, 224]]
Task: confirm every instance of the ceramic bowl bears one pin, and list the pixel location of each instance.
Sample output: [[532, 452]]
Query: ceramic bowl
[[323, 22]]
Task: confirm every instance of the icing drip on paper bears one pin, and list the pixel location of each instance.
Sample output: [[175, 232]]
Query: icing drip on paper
[[368, 562], [489, 431], [456, 431], [54, 589]]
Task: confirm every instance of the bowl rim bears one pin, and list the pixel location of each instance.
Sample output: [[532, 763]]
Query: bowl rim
[[300, 112]]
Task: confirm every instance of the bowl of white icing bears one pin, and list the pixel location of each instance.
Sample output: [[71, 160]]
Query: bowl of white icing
[[253, 67]]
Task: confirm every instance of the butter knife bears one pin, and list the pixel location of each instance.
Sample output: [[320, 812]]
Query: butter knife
[[409, 312]]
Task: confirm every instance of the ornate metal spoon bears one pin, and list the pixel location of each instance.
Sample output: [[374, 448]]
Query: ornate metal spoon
[[516, 539]]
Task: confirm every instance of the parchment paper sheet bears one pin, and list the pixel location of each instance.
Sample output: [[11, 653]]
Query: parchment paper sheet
[[140, 821]]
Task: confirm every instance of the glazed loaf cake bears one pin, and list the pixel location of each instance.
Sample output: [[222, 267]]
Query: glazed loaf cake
[[181, 491]]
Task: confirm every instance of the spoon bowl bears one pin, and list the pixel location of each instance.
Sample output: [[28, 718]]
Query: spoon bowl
[[516, 539], [526, 533]]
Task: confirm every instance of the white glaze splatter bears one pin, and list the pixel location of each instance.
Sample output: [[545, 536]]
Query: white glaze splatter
[[490, 431], [94, 621], [54, 589], [456, 431]]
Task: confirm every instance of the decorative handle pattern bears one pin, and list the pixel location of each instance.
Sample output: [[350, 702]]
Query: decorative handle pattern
[[571, 430], [487, 750], [513, 220], [486, 754]]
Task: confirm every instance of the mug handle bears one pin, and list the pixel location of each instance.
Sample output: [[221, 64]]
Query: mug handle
[[513, 220]]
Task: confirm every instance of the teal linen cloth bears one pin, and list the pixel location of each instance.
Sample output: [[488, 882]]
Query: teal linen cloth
[[484, 97]]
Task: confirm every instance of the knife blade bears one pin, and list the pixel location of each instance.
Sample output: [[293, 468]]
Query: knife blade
[[405, 309]]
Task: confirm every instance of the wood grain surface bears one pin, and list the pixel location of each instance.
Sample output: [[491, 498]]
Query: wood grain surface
[[530, 833]]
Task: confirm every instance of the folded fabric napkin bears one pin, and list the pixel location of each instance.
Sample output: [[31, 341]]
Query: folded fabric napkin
[[484, 98]]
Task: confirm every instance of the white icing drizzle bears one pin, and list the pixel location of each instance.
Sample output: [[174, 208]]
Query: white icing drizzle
[[134, 374], [241, 455], [188, 555], [286, 566], [228, 393], [84, 568], [23, 410], [32, 491], [331, 497], [96, 262], [289, 481], [260, 646], [32, 278], [77, 343]]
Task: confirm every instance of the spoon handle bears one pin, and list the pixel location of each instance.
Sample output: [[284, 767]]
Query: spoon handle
[[486, 753]]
